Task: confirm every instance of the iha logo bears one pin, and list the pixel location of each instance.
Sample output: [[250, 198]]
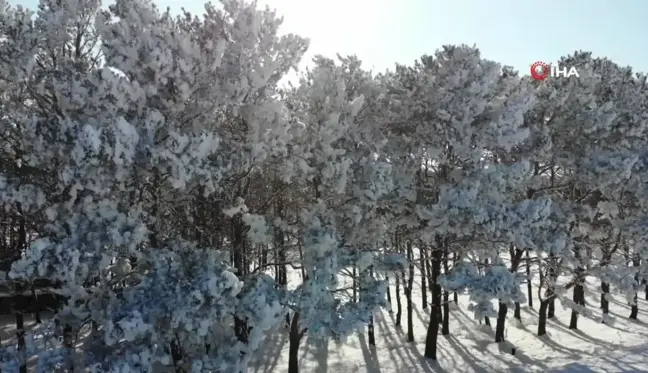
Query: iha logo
[[541, 71]]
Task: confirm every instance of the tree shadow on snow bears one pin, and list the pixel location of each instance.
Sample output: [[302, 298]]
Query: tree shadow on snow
[[321, 354], [405, 355], [524, 359], [529, 310], [626, 306], [573, 368], [571, 353], [399, 329], [304, 350], [629, 320], [585, 337], [424, 318], [516, 363], [465, 355], [369, 354], [469, 323], [620, 327], [270, 352]]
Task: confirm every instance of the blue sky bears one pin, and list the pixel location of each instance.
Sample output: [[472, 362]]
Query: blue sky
[[514, 32]]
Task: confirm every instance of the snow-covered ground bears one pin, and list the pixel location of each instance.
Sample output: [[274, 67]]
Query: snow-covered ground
[[470, 347], [622, 347]]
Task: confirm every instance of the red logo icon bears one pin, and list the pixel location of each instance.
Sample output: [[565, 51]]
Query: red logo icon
[[540, 70]]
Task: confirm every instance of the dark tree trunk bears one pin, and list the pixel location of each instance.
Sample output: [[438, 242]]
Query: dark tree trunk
[[280, 256], [579, 291], [529, 279], [501, 322], [455, 296], [634, 309], [239, 263], [408, 293], [22, 345], [37, 310], [486, 318], [370, 325], [68, 343], [542, 317], [433, 327], [20, 321], [370, 331], [605, 304], [354, 275], [295, 338], [424, 290], [500, 326], [579, 299], [445, 324], [551, 273], [389, 298], [399, 307], [428, 269], [551, 312], [544, 305]]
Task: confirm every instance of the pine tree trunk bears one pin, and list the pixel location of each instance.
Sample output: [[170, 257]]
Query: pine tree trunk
[[370, 325], [424, 291], [433, 326], [529, 279], [389, 298], [579, 298], [399, 307], [408, 293], [516, 260], [551, 273], [544, 306], [445, 324], [239, 262], [486, 318], [37, 310], [605, 304], [579, 291], [428, 269], [22, 345], [501, 322], [354, 276], [634, 310], [20, 321], [370, 331], [295, 338], [551, 312], [542, 317], [280, 258], [68, 343], [455, 296]]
